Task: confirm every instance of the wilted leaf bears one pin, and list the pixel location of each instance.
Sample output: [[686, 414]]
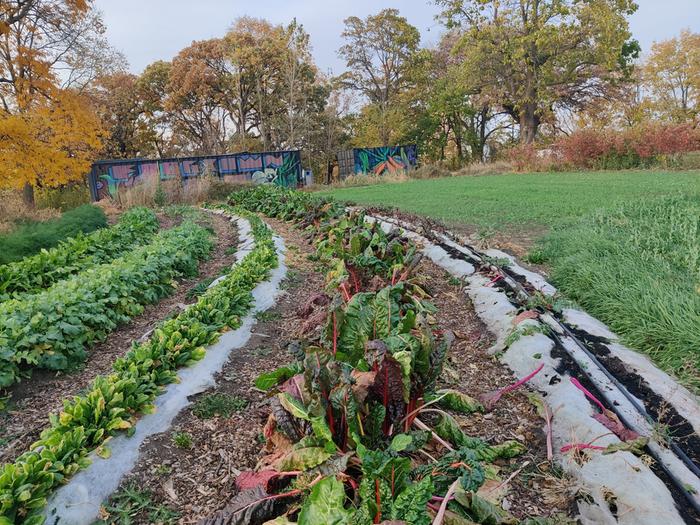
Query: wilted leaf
[[610, 421], [249, 479], [249, 506], [458, 401], [303, 459]]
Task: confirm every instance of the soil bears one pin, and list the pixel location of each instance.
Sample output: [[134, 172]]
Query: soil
[[31, 400], [199, 480]]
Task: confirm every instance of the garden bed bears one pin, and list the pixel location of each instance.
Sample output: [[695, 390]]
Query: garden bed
[[189, 472], [29, 401]]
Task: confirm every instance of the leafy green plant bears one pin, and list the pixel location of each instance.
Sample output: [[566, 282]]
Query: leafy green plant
[[199, 288], [54, 328], [113, 403], [183, 440], [76, 254]]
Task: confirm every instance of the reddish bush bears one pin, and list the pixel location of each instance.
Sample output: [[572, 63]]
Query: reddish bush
[[583, 148], [633, 147]]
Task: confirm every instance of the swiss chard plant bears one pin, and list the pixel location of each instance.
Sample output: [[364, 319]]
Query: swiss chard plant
[[344, 443]]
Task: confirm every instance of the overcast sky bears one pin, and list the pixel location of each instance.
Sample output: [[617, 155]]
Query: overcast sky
[[149, 30]]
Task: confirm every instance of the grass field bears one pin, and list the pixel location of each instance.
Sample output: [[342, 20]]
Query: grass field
[[624, 245], [521, 200]]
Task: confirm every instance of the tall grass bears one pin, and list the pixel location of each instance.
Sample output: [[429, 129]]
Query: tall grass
[[14, 211], [153, 192], [30, 236], [637, 268]]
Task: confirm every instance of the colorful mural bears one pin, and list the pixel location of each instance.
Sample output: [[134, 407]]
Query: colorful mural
[[283, 168], [387, 159]]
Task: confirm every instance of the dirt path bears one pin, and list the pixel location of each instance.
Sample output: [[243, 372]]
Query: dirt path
[[31, 400], [188, 478]]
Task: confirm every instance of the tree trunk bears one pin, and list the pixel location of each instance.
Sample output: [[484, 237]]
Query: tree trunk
[[28, 195], [529, 123]]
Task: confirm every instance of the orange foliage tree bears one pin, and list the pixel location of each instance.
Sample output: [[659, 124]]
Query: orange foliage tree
[[50, 144], [47, 132]]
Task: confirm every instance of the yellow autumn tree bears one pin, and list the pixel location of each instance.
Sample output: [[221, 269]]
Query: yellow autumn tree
[[48, 131], [50, 144]]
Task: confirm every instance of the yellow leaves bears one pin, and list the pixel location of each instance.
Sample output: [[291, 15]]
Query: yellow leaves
[[50, 143]]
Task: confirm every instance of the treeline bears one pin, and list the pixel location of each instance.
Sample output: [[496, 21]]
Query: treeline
[[503, 73], [256, 88]]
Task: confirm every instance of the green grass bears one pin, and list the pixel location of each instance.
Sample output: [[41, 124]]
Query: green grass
[[29, 238], [624, 245], [132, 505], [637, 268], [183, 440], [218, 405], [520, 200]]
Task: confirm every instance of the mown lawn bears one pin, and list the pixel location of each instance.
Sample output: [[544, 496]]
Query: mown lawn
[[625, 245], [521, 200]]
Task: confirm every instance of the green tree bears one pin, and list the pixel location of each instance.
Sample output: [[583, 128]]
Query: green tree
[[379, 53], [671, 75], [537, 57]]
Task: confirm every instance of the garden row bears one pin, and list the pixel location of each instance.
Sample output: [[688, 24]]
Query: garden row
[[75, 254], [351, 437], [28, 236], [53, 329], [114, 402]]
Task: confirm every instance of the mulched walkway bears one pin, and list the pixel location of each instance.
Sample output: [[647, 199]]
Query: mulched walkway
[[197, 481], [31, 400]]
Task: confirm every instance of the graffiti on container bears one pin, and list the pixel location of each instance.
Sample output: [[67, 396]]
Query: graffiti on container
[[386, 159], [283, 168]]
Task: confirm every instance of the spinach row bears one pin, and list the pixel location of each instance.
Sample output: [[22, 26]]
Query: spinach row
[[52, 329], [73, 255], [114, 402]]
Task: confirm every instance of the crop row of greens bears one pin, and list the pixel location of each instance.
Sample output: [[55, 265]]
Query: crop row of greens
[[75, 254], [114, 402], [344, 413], [54, 328]]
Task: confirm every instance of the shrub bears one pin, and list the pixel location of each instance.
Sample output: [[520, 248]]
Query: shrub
[[32, 237], [63, 198], [642, 146], [639, 147]]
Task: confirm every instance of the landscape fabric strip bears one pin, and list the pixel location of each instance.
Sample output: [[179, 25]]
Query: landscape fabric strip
[[75, 254], [114, 402], [52, 329]]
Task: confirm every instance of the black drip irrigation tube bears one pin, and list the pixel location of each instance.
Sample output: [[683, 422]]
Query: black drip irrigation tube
[[522, 295]]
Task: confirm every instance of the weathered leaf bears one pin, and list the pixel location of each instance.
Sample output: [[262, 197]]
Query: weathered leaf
[[303, 459], [249, 479], [325, 505], [248, 506], [481, 511], [458, 401]]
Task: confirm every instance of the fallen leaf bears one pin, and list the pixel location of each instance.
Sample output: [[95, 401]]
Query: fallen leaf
[[527, 314], [170, 489]]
